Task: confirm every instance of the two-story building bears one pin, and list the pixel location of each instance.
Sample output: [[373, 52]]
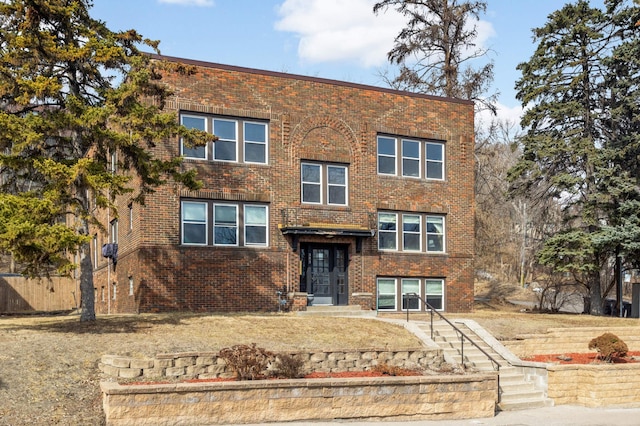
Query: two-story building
[[336, 193]]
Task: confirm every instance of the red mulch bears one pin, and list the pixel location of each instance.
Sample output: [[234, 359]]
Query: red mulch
[[580, 358]]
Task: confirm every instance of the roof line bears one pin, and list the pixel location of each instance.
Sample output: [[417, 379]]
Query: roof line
[[305, 78]]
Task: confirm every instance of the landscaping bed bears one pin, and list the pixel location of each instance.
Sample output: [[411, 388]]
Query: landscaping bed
[[581, 358]]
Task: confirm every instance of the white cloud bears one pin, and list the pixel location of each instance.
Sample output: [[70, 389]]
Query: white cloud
[[348, 30], [340, 30], [205, 3], [504, 114]]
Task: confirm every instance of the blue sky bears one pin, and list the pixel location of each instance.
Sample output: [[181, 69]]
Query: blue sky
[[336, 39]]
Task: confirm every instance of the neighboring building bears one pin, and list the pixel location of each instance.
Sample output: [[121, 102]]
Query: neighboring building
[[350, 193]]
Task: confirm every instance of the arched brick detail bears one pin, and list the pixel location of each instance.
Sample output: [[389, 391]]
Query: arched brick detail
[[318, 127]]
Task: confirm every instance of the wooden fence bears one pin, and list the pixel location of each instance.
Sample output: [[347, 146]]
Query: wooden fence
[[20, 294]]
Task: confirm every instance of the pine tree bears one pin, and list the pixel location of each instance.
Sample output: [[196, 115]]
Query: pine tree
[[570, 148], [72, 94]]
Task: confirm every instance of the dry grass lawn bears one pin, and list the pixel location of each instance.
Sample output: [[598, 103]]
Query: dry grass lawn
[[48, 365]]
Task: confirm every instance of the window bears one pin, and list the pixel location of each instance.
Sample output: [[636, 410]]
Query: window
[[434, 291], [95, 251], [324, 184], [193, 122], [410, 158], [238, 140], [255, 143], [232, 224], [194, 223], [225, 225], [393, 289], [130, 286], [130, 206], [226, 147], [435, 233], [255, 225], [113, 295], [387, 231], [403, 157], [113, 166], [113, 231], [412, 232], [411, 240], [386, 156], [410, 285], [435, 161], [386, 294]]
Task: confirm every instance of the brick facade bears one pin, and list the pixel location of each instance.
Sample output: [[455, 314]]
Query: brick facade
[[309, 119]]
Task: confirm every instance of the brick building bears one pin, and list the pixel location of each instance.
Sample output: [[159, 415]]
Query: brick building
[[337, 193]]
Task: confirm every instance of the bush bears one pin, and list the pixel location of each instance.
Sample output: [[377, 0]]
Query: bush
[[608, 346], [287, 367], [247, 361]]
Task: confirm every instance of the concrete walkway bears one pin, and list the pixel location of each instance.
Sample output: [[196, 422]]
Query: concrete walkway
[[562, 415]]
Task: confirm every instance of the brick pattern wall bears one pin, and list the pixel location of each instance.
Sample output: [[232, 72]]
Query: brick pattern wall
[[309, 119]]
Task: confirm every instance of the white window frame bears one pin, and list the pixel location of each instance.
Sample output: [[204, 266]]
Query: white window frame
[[345, 186], [395, 155], [419, 233], [418, 292], [428, 160], [206, 129], [113, 231], [266, 225], [318, 184], [183, 222], [395, 294], [220, 139], [236, 227], [442, 234], [417, 160], [130, 286], [248, 142], [395, 232], [441, 294]]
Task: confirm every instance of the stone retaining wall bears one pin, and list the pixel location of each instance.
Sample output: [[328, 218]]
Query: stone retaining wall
[[568, 340], [595, 385], [207, 365], [260, 401]]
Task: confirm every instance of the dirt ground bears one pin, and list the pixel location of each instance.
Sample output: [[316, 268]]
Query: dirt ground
[[48, 364]]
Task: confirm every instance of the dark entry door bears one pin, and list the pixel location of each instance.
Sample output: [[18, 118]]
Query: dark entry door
[[324, 273]]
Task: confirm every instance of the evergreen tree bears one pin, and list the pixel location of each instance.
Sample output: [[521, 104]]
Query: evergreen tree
[[570, 150], [73, 96]]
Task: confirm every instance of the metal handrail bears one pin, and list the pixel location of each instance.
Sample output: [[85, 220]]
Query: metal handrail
[[457, 330]]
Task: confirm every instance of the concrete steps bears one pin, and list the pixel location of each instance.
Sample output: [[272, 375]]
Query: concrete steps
[[516, 391]]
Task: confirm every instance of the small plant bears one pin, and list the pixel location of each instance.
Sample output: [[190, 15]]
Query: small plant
[[286, 366], [247, 361], [609, 346]]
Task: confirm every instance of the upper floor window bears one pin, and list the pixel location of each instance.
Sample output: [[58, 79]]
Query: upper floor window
[[403, 157], [238, 141], [113, 231], [324, 184], [232, 224], [412, 236]]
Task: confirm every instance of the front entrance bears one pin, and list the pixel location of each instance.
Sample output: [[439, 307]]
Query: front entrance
[[324, 273]]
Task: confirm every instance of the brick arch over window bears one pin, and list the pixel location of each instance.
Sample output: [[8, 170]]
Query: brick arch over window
[[324, 138]]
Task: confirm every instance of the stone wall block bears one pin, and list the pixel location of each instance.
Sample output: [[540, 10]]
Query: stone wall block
[[141, 363], [185, 361], [175, 371], [130, 373]]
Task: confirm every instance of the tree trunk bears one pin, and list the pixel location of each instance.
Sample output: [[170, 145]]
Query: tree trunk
[[87, 295], [595, 294]]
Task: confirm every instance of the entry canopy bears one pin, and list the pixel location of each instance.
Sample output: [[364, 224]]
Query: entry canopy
[[328, 231]]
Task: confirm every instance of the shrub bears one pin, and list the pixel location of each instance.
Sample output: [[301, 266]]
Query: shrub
[[286, 366], [608, 346], [247, 361]]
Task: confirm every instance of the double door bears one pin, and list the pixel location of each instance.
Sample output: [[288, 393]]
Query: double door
[[324, 273]]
